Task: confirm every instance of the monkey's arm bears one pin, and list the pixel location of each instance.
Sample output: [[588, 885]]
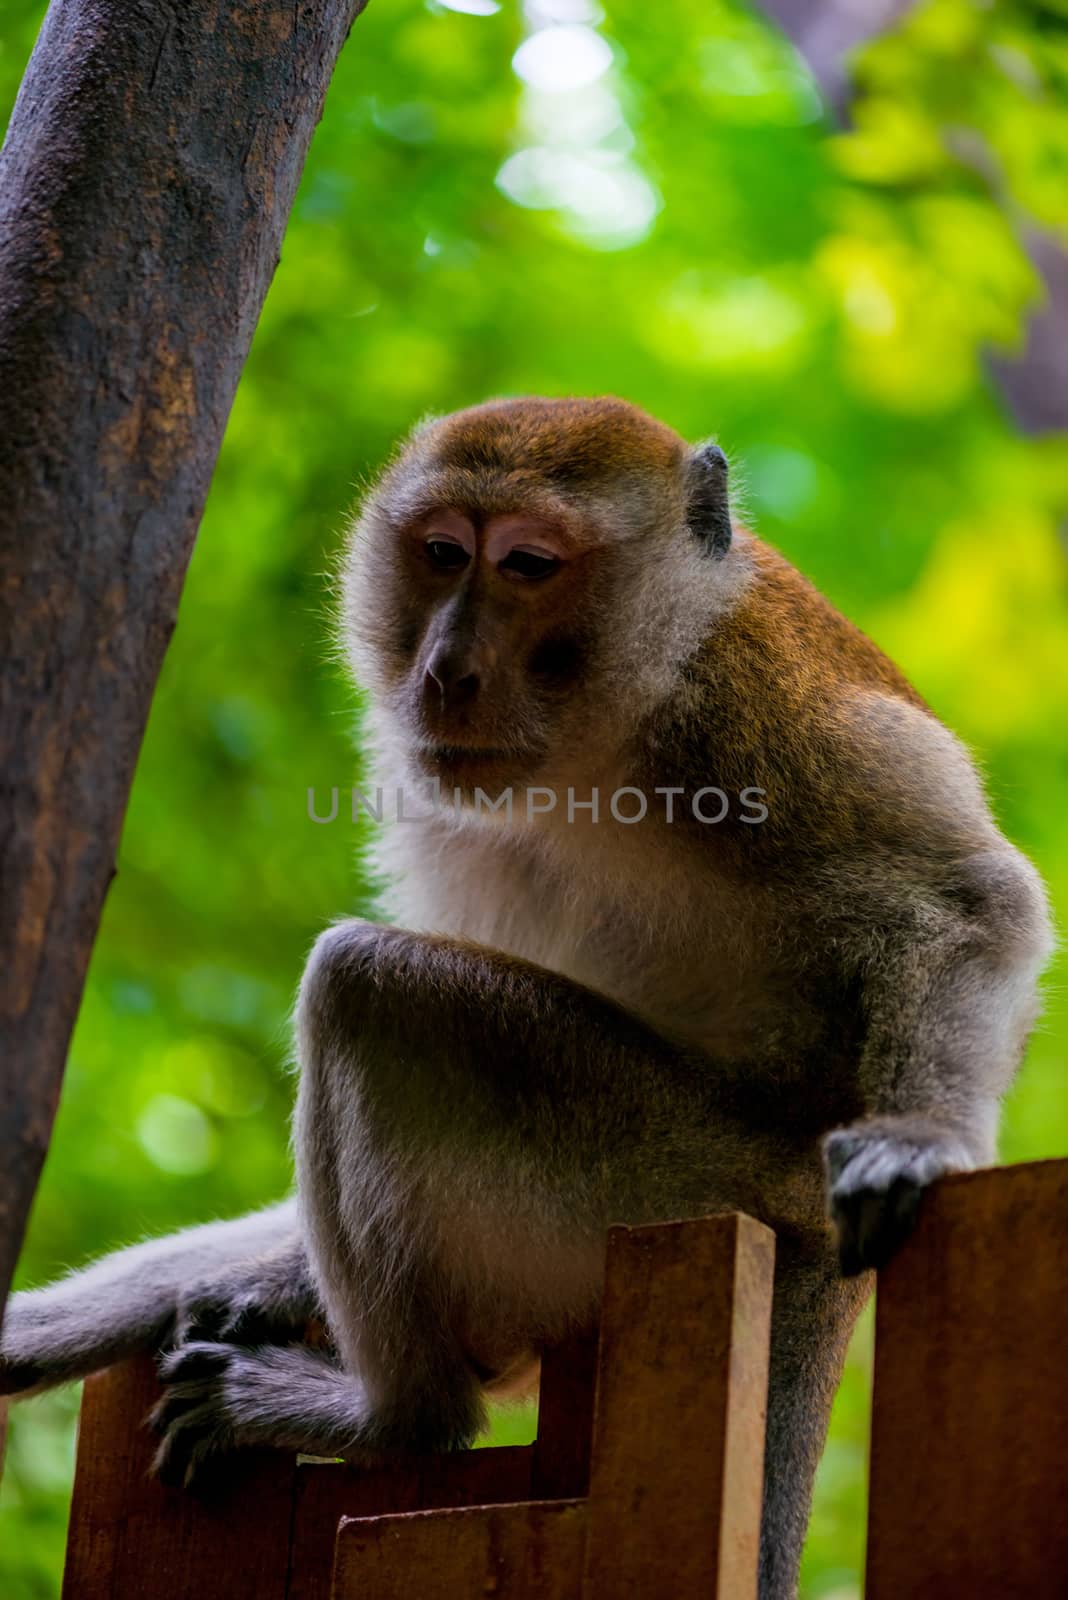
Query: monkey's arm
[[244, 1279], [949, 994]]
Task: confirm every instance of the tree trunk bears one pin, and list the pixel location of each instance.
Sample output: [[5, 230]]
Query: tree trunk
[[149, 169]]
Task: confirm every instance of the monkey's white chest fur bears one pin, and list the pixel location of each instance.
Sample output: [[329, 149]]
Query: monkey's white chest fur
[[602, 904]]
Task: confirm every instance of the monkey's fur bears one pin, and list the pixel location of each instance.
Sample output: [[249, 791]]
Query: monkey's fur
[[574, 1022]]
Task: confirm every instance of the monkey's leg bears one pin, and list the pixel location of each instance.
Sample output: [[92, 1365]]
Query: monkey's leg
[[467, 1128], [813, 1314]]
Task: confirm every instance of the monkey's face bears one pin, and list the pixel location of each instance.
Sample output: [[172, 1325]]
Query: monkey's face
[[491, 657], [517, 575]]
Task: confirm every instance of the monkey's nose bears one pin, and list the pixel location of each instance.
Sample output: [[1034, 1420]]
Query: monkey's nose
[[449, 681]]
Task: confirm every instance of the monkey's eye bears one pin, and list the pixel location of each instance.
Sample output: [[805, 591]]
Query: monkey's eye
[[526, 562], [447, 555]]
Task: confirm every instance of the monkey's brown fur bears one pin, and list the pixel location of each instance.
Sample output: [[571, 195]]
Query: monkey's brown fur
[[578, 1021]]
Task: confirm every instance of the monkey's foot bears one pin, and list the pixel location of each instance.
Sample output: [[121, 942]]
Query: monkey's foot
[[223, 1397], [877, 1175]]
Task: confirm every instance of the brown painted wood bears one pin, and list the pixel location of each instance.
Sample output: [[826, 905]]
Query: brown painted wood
[[516, 1552], [326, 1492], [148, 171], [680, 1412], [970, 1424], [131, 1539], [561, 1466], [674, 1505]]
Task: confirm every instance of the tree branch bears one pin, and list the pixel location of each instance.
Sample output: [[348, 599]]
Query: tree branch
[[1035, 383]]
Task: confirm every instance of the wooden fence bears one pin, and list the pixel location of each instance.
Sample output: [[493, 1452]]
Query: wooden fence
[[645, 1477]]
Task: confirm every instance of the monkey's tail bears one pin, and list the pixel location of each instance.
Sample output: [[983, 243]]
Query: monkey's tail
[[123, 1304]]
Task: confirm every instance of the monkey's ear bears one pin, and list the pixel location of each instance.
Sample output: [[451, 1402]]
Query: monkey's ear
[[707, 509]]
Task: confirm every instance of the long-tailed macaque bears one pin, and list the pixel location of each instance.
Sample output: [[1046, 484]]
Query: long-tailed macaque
[[706, 911]]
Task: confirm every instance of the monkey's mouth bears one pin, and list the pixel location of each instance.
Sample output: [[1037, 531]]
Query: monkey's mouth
[[470, 766], [448, 755]]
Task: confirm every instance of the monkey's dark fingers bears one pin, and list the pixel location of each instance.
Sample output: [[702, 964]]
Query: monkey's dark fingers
[[177, 1400], [193, 1415], [191, 1444], [873, 1223], [202, 1359], [256, 1304], [876, 1183], [203, 1317], [228, 1321]]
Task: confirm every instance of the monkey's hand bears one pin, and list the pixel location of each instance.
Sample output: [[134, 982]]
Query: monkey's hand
[[267, 1300], [877, 1171]]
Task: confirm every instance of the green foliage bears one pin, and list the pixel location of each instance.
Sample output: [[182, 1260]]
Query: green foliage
[[684, 229]]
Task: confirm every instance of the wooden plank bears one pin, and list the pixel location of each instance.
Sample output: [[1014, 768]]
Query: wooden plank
[[531, 1551], [132, 1539], [970, 1422], [561, 1466], [326, 1492], [680, 1411]]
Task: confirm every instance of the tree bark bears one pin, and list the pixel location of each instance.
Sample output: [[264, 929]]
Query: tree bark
[[151, 162]]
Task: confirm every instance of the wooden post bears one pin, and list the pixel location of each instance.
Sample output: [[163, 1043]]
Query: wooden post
[[678, 1448], [674, 1474], [676, 1484], [132, 1539], [145, 182], [561, 1465], [327, 1492], [530, 1551], [556, 1467], [263, 1529], [969, 1453]]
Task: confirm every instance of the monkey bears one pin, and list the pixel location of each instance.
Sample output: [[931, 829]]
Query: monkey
[[564, 1020]]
